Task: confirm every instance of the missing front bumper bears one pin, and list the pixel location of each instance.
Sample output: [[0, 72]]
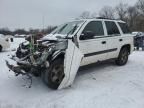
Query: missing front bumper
[[16, 69]]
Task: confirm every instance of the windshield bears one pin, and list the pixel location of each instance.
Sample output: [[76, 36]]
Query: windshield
[[67, 28]]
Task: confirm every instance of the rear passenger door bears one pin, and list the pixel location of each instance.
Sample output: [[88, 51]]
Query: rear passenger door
[[94, 47], [113, 39]]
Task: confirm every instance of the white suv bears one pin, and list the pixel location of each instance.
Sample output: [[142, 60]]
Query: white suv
[[72, 45]]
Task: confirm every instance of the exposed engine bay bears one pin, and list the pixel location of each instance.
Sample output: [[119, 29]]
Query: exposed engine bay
[[52, 58]]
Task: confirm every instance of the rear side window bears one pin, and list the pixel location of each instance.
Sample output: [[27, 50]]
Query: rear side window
[[96, 27], [124, 28], [112, 28]]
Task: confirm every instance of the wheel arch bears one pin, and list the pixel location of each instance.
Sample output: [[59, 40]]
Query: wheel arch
[[128, 46], [1, 47], [58, 54]]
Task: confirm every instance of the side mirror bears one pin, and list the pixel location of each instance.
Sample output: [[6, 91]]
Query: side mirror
[[87, 35]]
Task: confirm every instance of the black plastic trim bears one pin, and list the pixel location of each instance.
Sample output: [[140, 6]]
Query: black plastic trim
[[100, 52]]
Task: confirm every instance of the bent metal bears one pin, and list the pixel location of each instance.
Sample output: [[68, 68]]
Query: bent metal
[[57, 56]]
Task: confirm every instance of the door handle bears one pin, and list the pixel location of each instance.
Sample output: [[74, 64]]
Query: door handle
[[103, 42], [120, 40]]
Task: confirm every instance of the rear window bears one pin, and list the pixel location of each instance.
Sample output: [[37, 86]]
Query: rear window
[[124, 28], [112, 28]]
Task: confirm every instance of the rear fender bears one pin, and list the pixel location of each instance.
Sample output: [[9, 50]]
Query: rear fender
[[72, 60]]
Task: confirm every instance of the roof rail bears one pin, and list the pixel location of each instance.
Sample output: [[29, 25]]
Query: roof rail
[[105, 18], [101, 18]]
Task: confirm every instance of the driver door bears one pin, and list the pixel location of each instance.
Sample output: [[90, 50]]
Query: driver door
[[94, 47]]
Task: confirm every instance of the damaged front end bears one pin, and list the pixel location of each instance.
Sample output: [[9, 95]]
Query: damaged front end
[[38, 59]]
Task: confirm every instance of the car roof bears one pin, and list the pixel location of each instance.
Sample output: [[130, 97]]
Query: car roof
[[100, 19]]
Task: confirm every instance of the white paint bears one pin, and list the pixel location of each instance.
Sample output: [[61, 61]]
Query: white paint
[[95, 45], [98, 86], [4, 43], [72, 62]]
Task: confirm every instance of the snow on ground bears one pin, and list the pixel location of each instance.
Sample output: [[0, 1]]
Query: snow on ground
[[102, 85]]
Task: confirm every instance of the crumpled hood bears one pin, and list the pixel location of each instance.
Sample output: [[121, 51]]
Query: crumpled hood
[[54, 37]]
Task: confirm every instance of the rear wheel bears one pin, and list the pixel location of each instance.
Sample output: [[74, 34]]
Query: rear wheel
[[54, 75], [123, 57], [0, 48]]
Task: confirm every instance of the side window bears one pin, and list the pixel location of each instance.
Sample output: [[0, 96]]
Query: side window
[[124, 28], [96, 27], [112, 28]]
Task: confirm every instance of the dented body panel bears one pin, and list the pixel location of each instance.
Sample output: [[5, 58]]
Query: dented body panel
[[70, 46], [72, 60]]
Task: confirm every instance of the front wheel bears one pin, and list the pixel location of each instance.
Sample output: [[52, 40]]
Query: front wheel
[[54, 75], [123, 57]]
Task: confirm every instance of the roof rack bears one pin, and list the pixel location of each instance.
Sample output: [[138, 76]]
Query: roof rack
[[102, 18], [106, 18]]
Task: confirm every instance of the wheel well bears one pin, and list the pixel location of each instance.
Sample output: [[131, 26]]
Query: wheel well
[[61, 55], [128, 47], [1, 47]]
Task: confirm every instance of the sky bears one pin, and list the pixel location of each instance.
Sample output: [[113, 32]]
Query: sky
[[41, 13]]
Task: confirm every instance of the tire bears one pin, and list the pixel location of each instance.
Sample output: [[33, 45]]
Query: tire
[[123, 57], [54, 75], [0, 48]]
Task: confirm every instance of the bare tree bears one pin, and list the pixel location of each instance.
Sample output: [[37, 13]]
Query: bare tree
[[132, 17], [20, 31], [94, 15], [121, 11], [5, 31], [140, 6], [140, 20], [85, 15], [107, 12]]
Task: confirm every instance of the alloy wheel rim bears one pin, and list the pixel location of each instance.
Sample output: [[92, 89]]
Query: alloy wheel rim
[[57, 74]]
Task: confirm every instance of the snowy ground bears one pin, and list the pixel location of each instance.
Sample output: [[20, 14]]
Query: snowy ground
[[103, 85]]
